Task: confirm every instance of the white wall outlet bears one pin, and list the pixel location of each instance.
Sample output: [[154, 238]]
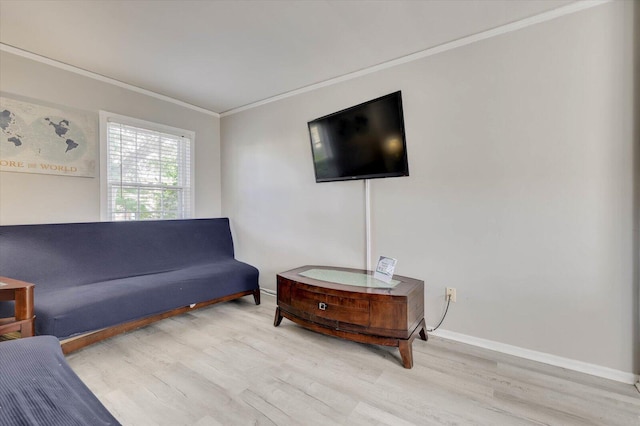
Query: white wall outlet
[[451, 294]]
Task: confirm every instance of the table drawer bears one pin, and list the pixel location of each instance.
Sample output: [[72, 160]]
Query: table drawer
[[335, 308]]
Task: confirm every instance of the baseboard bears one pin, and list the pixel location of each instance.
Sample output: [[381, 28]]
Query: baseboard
[[558, 361], [268, 291]]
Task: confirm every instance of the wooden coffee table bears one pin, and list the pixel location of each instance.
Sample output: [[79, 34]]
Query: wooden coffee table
[[21, 293], [318, 298]]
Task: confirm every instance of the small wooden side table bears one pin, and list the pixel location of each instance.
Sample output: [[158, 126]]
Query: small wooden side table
[[21, 293]]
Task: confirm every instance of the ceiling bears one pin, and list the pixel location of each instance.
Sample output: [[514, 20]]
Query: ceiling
[[221, 55]]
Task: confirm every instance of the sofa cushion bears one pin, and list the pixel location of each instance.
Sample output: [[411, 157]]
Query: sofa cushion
[[64, 312], [70, 254]]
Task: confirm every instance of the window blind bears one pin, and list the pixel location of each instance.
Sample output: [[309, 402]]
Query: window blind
[[148, 174]]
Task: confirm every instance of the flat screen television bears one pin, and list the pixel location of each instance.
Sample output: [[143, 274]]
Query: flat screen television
[[365, 141]]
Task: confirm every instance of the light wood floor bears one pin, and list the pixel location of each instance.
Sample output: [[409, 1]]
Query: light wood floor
[[228, 365]]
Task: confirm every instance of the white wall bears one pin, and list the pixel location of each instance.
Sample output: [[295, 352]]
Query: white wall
[[521, 192], [31, 198], [280, 217]]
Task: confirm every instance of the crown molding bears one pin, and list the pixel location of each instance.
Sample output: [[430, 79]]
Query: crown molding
[[503, 29], [48, 61], [464, 41]]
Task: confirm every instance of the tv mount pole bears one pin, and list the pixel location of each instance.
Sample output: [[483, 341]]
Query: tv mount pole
[[367, 222]]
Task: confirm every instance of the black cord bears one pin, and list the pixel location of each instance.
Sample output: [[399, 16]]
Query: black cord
[[443, 315]]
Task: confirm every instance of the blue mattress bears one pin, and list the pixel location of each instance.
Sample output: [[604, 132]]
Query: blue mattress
[[37, 387]]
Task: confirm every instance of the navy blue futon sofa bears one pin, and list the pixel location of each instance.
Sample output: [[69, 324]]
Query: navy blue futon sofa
[[90, 276]]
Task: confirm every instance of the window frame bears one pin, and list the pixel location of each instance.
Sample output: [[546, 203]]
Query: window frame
[[105, 118]]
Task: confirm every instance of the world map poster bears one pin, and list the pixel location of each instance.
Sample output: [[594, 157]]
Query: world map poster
[[41, 139]]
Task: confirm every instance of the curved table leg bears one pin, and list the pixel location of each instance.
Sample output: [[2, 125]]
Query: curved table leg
[[406, 352], [423, 331], [278, 318]]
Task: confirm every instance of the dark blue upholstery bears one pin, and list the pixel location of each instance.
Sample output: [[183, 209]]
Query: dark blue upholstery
[[89, 276], [37, 387]]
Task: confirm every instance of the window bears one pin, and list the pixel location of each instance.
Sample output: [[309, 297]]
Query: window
[[146, 170]]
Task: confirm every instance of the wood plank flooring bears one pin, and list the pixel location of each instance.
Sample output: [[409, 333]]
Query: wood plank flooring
[[227, 365]]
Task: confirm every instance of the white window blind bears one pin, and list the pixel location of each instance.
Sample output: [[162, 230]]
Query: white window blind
[[148, 173]]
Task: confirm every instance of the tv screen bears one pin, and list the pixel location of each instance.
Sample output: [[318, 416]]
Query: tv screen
[[362, 142]]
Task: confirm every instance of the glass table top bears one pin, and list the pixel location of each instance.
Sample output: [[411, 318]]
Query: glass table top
[[358, 279]]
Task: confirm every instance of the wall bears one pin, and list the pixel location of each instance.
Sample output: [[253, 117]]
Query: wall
[[31, 198], [521, 192]]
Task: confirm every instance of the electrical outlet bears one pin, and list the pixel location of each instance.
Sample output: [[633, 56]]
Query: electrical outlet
[[451, 294]]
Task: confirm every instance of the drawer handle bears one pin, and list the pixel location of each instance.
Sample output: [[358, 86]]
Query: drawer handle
[[322, 306]]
